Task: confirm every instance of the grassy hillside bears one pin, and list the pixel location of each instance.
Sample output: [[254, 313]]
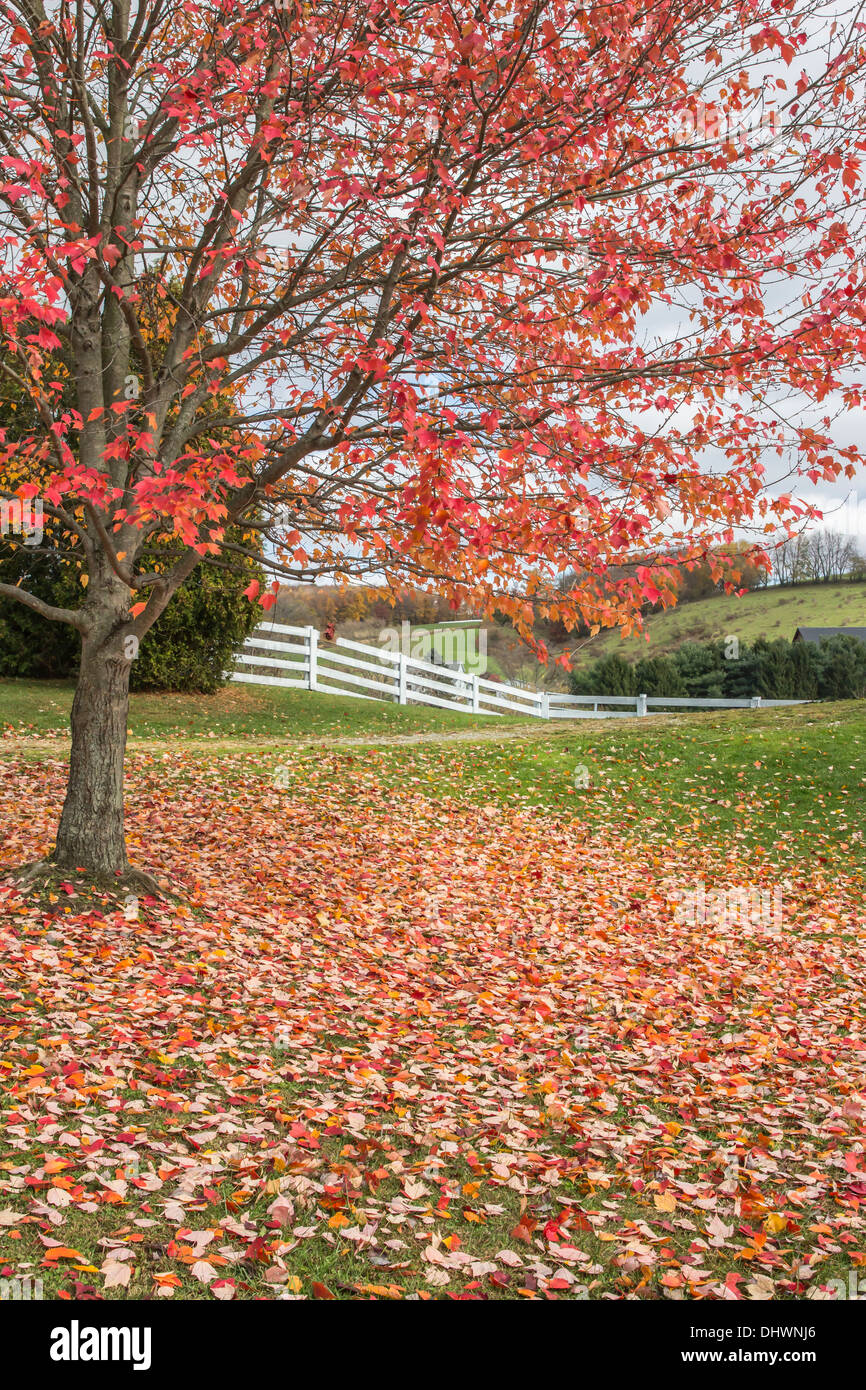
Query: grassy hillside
[[776, 612], [771, 613]]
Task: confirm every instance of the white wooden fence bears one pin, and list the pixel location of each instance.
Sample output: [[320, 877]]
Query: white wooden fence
[[297, 658]]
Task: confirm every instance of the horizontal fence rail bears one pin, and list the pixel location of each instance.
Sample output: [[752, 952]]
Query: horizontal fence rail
[[295, 657]]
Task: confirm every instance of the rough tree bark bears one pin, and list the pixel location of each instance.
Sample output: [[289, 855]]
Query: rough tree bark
[[90, 835]]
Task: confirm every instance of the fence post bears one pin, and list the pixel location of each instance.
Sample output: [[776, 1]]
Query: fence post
[[641, 704], [545, 705], [476, 708], [312, 652], [401, 678], [755, 702]]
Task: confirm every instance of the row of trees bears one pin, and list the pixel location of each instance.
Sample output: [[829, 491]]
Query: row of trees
[[822, 556], [780, 670], [319, 605]]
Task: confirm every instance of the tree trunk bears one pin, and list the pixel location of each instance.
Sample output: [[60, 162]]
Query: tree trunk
[[90, 835]]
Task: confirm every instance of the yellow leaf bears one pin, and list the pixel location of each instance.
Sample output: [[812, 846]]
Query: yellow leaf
[[774, 1223], [665, 1201], [84, 580]]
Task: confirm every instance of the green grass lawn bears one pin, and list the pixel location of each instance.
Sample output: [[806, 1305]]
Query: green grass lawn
[[237, 711], [789, 781]]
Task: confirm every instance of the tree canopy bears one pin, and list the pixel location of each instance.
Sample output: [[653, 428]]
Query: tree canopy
[[484, 291]]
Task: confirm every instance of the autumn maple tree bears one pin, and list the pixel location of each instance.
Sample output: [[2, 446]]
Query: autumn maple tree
[[491, 291]]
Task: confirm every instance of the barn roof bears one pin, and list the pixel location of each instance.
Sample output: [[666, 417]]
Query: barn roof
[[817, 634]]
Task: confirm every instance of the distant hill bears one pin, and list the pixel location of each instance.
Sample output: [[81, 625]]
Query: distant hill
[[771, 613], [775, 612]]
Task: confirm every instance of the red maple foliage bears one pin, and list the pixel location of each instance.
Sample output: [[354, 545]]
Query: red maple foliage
[[463, 294]]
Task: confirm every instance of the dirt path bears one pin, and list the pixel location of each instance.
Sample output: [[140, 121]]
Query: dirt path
[[36, 745], [13, 744], [493, 735]]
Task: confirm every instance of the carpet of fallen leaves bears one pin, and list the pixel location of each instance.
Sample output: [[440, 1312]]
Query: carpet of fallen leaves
[[385, 1046]]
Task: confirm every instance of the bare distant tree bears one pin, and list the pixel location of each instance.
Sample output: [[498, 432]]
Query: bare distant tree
[[823, 555], [793, 562], [857, 567], [830, 555], [782, 557]]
